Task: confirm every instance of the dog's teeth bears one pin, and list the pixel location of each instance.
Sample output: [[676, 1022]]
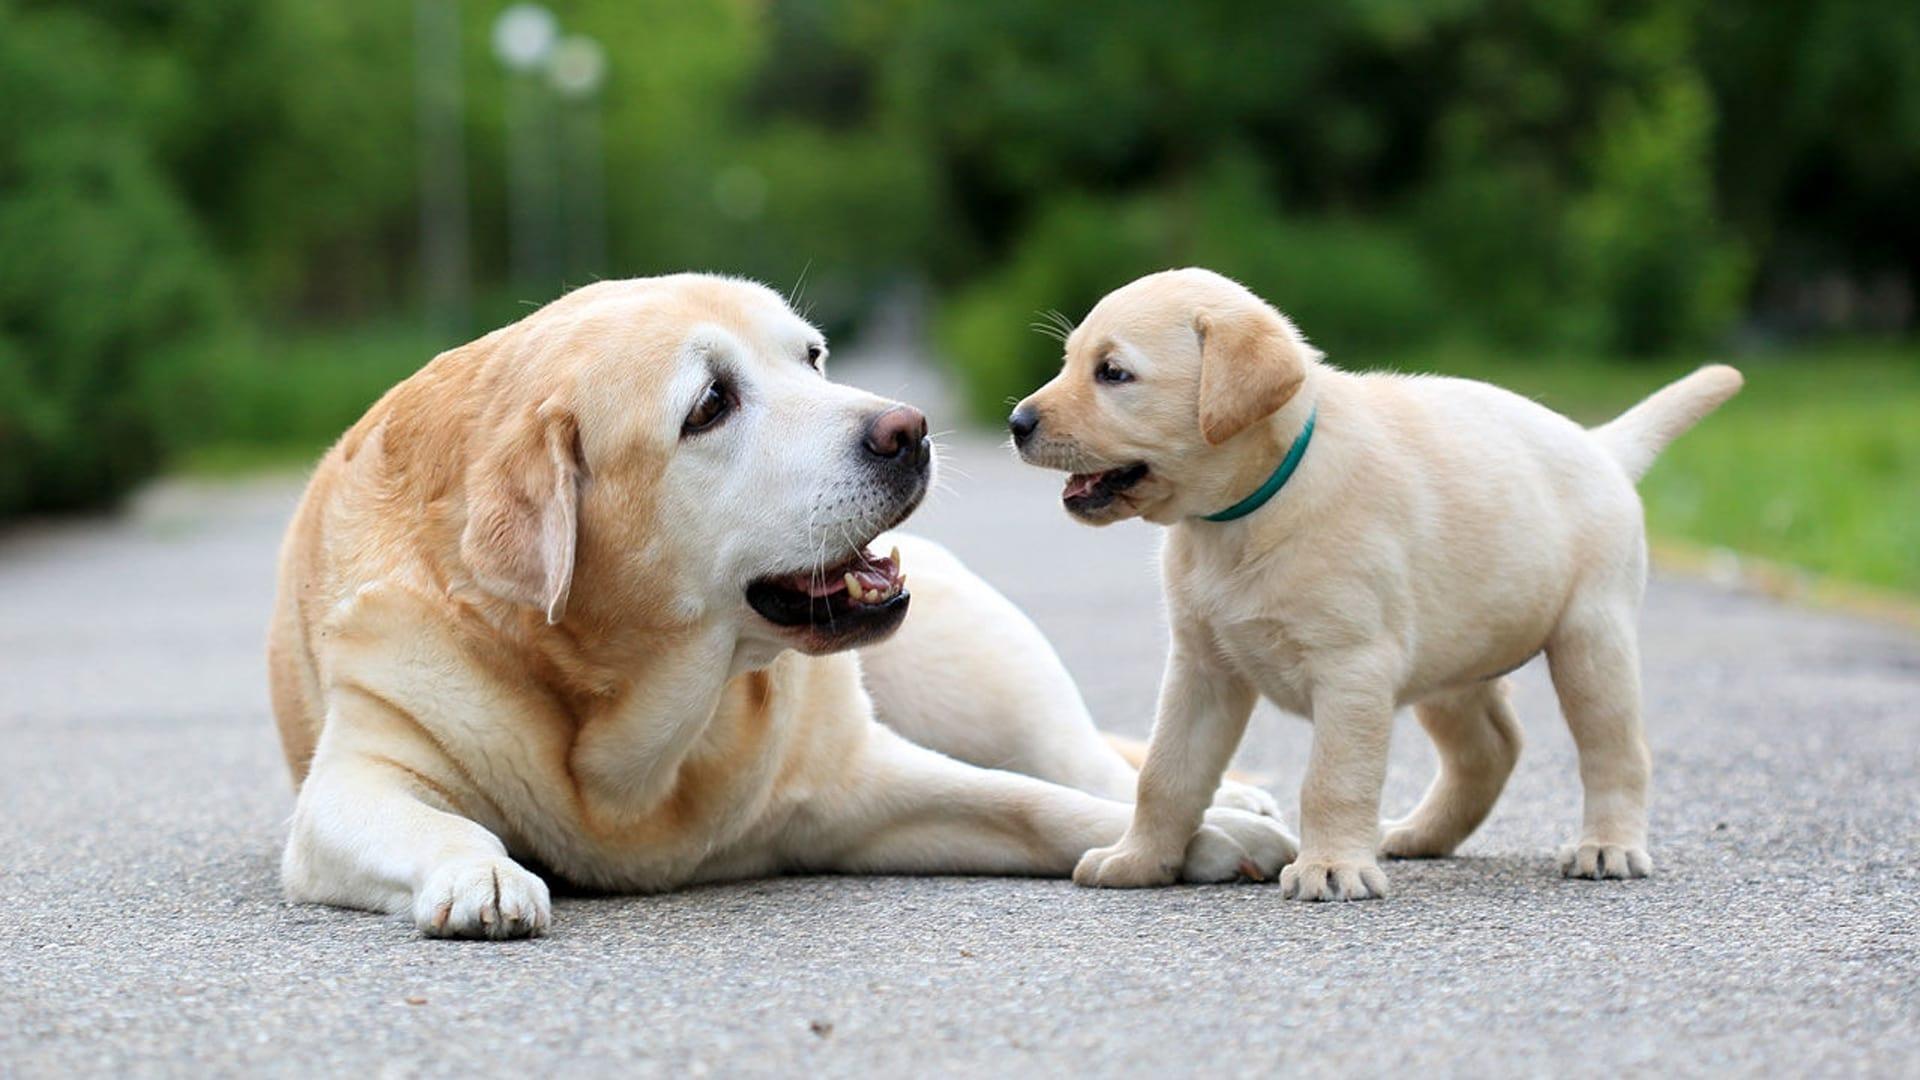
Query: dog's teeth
[[898, 566], [853, 587]]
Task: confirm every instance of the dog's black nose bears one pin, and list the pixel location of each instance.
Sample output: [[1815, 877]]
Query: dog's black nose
[[1022, 422], [899, 434]]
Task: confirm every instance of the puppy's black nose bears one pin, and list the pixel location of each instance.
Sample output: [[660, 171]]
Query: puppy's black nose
[[899, 434], [1023, 422]]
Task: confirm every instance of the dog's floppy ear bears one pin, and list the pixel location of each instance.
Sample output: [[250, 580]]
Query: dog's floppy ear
[[523, 508], [1250, 365]]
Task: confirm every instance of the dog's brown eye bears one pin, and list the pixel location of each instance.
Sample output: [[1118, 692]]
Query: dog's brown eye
[[814, 353], [1107, 372], [709, 410]]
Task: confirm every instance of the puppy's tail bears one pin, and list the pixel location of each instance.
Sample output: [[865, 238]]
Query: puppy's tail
[[1637, 436]]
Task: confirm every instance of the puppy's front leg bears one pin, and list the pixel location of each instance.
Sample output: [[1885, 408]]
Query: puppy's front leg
[[907, 809], [1203, 713], [376, 829], [1340, 800]]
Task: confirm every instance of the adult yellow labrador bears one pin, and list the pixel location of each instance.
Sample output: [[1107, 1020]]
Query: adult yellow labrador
[[583, 593], [1347, 544]]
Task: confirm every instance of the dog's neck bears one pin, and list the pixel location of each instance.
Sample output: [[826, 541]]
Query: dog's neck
[[1250, 459]]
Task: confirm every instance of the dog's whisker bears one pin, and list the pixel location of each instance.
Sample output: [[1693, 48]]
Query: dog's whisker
[[799, 283]]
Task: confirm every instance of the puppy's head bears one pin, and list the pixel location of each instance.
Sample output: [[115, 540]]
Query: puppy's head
[[1162, 373], [668, 452]]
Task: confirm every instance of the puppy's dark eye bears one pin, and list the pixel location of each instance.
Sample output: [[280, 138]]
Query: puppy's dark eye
[[1109, 372], [814, 353], [714, 404]]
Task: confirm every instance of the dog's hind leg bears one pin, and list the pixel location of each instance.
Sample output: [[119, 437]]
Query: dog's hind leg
[[903, 809], [971, 676], [1595, 660], [1478, 741]]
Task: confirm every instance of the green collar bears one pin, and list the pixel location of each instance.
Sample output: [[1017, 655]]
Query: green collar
[[1275, 482]]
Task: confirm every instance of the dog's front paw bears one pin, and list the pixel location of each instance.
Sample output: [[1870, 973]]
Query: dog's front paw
[[1596, 861], [482, 898], [1234, 795], [1236, 845], [1336, 878], [1128, 864]]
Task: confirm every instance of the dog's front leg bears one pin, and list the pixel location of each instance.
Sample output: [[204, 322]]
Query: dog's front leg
[[1340, 799], [1203, 713], [375, 827], [905, 809]]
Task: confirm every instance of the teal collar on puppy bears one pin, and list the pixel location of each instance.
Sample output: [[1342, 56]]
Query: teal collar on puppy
[[1275, 482]]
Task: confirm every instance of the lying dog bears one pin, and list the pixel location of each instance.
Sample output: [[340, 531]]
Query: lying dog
[[581, 593], [1346, 544]]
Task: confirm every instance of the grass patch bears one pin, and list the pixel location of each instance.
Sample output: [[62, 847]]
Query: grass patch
[[1815, 463]]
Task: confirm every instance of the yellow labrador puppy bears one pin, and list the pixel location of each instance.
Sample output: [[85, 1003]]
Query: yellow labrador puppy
[[582, 593], [1347, 544]]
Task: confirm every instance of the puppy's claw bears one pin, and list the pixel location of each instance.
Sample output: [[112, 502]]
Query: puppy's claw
[[1596, 861], [1333, 879]]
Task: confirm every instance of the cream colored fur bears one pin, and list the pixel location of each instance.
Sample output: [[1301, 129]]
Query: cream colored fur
[[1437, 534], [511, 632]]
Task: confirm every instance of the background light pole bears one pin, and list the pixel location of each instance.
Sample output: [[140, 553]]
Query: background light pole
[[445, 245], [524, 37], [577, 70]]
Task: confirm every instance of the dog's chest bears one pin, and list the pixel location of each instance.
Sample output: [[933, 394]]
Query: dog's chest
[[1265, 654]]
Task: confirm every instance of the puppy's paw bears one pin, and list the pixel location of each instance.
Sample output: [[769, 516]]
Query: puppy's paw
[[482, 898], [1234, 795], [1128, 864], [1593, 860], [1411, 840], [1356, 878], [1236, 845]]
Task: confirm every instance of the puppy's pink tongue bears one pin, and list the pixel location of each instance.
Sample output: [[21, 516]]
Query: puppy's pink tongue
[[1080, 484]]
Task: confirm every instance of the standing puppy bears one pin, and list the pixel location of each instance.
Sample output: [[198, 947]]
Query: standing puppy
[[1347, 544]]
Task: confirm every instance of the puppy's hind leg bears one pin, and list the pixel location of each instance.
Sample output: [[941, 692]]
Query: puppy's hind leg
[[1478, 740], [1595, 660]]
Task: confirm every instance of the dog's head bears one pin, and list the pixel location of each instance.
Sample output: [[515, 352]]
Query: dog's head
[[1162, 373], [668, 452]]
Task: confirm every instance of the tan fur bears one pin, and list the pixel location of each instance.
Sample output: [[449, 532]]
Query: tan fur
[[1437, 534], [511, 625]]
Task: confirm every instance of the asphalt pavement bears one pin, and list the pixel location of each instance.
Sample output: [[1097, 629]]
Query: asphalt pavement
[[143, 802]]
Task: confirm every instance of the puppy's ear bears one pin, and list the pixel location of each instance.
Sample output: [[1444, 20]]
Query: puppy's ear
[[1250, 365], [523, 506]]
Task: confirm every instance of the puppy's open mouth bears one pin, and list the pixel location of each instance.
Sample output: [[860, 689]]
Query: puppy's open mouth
[[853, 597], [1091, 491]]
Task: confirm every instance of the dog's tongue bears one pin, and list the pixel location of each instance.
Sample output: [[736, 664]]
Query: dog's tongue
[[1081, 484]]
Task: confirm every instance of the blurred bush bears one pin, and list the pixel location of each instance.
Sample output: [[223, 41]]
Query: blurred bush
[[105, 280], [1629, 177], [1526, 174]]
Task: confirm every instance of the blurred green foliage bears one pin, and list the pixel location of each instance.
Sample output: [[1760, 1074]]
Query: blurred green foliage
[[104, 275], [192, 192]]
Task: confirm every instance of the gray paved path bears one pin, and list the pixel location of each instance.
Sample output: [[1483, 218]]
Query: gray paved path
[[142, 801]]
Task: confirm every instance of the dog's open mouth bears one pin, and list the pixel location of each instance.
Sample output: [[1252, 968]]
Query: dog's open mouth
[[850, 595], [1091, 491]]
